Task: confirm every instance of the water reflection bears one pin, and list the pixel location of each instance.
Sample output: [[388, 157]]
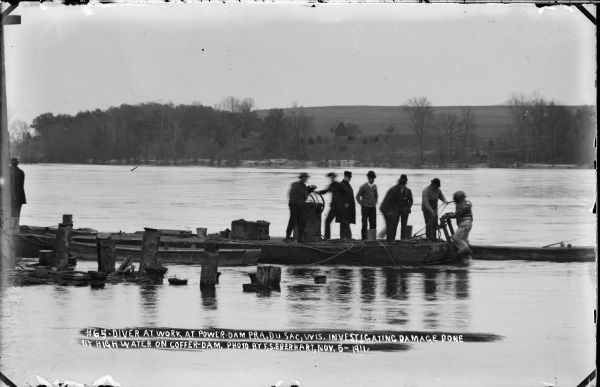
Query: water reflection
[[209, 298], [368, 284], [304, 292], [354, 292], [340, 286], [430, 285], [149, 304], [462, 284], [396, 287]]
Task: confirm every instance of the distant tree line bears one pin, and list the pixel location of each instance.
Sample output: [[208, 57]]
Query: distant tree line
[[153, 131], [548, 133], [542, 132], [231, 130]]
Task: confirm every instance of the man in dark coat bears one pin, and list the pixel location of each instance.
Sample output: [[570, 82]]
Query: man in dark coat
[[348, 215], [431, 194], [17, 192], [396, 206], [298, 194], [342, 209]]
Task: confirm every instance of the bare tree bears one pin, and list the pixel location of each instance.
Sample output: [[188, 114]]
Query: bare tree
[[301, 126], [520, 111], [18, 131], [467, 127], [446, 132], [420, 111]]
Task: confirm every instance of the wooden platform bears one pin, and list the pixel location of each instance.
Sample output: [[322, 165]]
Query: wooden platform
[[179, 247]]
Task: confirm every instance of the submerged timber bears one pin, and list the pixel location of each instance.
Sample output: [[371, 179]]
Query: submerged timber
[[185, 248]]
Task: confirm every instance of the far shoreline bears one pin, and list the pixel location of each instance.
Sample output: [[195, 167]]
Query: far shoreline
[[295, 164]]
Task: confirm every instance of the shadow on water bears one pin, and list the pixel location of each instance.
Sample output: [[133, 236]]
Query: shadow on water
[[209, 298]]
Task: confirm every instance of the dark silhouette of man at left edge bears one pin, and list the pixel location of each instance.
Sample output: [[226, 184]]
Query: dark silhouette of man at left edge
[[297, 199], [17, 191]]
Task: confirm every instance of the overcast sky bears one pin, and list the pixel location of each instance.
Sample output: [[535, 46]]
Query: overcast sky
[[67, 59]]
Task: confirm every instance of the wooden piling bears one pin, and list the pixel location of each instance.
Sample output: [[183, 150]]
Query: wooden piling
[[46, 258], [268, 277], [209, 273], [67, 219], [107, 253], [150, 242], [62, 246], [201, 232]]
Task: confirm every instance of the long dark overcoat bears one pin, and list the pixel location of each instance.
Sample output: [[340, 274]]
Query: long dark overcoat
[[17, 182]]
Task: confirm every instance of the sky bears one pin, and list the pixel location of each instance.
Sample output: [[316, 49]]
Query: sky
[[69, 59]]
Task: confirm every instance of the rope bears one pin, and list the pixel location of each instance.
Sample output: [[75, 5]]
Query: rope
[[388, 253], [349, 249], [553, 244]]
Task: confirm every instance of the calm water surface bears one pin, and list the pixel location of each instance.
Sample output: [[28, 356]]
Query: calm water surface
[[544, 311]]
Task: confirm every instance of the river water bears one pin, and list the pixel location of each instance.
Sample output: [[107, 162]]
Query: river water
[[542, 311]]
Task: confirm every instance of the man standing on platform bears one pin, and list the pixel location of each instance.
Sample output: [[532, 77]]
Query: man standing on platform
[[367, 198], [431, 195], [343, 209], [17, 184], [349, 213], [298, 194], [405, 204], [395, 207]]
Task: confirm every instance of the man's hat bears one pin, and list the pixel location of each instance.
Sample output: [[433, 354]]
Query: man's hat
[[348, 173], [436, 182], [403, 178], [303, 174], [371, 174], [331, 174]]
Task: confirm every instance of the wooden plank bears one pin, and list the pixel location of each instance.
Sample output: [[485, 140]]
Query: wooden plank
[[11, 20]]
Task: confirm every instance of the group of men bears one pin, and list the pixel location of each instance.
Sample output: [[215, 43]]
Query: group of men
[[395, 207]]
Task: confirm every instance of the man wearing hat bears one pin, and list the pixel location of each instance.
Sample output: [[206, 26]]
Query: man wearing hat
[[343, 208], [367, 198], [298, 194], [17, 191], [431, 194], [396, 208]]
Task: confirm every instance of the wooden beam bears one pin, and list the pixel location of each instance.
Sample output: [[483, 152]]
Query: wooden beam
[[586, 13], [8, 10], [11, 19]]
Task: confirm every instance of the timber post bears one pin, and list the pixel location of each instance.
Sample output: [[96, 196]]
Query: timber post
[[46, 257], [149, 249], [62, 246], [268, 277], [209, 273], [107, 252], [67, 219], [201, 232]]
